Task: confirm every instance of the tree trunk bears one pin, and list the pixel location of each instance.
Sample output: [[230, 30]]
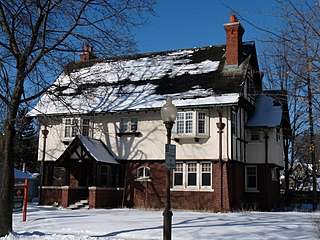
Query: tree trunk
[[7, 183]]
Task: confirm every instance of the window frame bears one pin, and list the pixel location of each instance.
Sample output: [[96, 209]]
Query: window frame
[[192, 124], [251, 175], [255, 133], [145, 176], [198, 171], [131, 124], [77, 126]]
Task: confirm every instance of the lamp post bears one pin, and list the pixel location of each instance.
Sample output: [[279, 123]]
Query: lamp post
[[168, 115], [45, 133]]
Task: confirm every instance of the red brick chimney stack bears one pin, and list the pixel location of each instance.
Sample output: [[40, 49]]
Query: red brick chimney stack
[[87, 53], [234, 33]]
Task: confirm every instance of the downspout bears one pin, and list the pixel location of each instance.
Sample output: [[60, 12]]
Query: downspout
[[220, 126], [266, 148]]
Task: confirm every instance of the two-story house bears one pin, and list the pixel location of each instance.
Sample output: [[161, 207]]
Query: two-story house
[[105, 141]]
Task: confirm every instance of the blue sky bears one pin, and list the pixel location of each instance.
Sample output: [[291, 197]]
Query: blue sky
[[183, 24]]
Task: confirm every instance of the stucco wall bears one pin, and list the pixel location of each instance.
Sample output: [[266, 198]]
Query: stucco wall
[[149, 145]]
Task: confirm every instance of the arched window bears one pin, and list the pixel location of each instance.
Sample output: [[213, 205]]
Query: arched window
[[143, 172]]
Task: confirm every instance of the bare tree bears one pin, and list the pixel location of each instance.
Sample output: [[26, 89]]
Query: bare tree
[[37, 38], [293, 64]]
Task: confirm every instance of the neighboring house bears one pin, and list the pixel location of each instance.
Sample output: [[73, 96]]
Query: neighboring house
[[106, 139]]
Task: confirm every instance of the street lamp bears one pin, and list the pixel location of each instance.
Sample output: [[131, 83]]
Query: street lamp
[[168, 115], [45, 133]]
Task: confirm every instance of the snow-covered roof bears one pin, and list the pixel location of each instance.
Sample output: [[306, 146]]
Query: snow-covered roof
[[267, 113], [22, 175], [95, 149], [191, 77]]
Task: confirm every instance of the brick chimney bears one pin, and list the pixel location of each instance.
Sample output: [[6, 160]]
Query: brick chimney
[[234, 33], [87, 53]]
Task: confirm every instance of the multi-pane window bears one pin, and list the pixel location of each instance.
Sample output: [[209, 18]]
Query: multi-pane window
[[206, 174], [201, 123], [251, 177], [255, 136], [85, 127], [192, 175], [191, 123], [129, 124], [234, 123], [75, 126], [105, 175], [71, 126], [143, 172], [178, 175]]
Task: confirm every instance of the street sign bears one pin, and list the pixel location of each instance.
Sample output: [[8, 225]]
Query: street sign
[[170, 156]]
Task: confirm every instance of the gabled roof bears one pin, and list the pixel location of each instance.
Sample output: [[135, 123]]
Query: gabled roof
[[82, 148], [267, 113], [192, 77]]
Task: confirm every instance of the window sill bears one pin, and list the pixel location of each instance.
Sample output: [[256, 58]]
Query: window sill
[[143, 180], [252, 191], [136, 134], [176, 189]]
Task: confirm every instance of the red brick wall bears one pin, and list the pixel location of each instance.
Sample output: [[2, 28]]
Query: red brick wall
[[105, 198], [268, 196], [152, 194]]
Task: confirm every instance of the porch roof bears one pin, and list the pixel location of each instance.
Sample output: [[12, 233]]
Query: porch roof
[[92, 148]]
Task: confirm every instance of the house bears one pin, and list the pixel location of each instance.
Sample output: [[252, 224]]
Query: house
[[105, 139]]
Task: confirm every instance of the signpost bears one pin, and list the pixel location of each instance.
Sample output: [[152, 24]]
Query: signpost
[[170, 156], [21, 198]]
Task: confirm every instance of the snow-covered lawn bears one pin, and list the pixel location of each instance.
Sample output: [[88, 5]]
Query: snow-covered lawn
[[50, 223]]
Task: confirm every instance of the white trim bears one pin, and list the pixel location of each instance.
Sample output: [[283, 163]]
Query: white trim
[[251, 189], [198, 172]]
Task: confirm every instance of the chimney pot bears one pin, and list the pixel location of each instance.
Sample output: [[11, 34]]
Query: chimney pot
[[233, 19]]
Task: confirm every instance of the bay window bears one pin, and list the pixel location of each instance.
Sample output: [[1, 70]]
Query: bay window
[[193, 124]]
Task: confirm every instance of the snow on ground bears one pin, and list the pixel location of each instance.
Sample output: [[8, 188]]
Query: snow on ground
[[50, 223]]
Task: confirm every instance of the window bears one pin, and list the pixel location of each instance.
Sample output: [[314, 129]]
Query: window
[[178, 175], [234, 123], [70, 127], [85, 127], [192, 175], [129, 124], [105, 175], [274, 174], [255, 136], [201, 123], [278, 136], [75, 126], [191, 124], [251, 177], [143, 172], [206, 174]]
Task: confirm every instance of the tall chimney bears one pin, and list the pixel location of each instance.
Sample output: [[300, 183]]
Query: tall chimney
[[234, 33], [87, 53]]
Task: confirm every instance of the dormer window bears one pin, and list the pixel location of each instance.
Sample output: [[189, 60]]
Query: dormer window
[[191, 124]]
